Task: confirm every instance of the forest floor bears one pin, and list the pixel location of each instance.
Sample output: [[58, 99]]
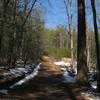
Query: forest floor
[[47, 85]]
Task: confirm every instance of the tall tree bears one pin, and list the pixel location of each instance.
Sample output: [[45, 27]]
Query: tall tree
[[3, 25], [71, 33], [81, 44], [13, 39], [23, 24], [17, 37], [69, 15], [97, 42]]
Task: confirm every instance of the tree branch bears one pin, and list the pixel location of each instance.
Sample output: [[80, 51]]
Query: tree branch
[[34, 1]]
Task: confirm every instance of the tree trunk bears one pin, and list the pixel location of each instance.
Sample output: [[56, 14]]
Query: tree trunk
[[69, 15], [5, 4], [23, 24], [97, 43], [81, 44], [71, 34], [13, 46], [88, 49]]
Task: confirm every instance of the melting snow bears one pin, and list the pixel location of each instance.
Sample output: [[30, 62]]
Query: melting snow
[[4, 91], [16, 71], [68, 78], [69, 74], [91, 96], [30, 76], [94, 85], [93, 79], [62, 63]]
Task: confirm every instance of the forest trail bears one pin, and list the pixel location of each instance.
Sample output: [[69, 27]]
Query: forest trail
[[47, 85]]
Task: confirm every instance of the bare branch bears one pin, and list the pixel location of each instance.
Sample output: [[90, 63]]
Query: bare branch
[[67, 12], [34, 1]]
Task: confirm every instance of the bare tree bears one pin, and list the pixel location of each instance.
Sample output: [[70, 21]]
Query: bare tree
[[69, 15], [33, 3]]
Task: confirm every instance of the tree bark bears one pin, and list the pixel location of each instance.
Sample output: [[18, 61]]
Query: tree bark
[[81, 44], [88, 48], [5, 4], [13, 46], [97, 43]]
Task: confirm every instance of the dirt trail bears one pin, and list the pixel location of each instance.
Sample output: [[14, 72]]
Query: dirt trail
[[47, 85]]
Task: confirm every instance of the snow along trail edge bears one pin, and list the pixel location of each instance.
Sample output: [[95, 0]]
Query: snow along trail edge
[[28, 77], [24, 80]]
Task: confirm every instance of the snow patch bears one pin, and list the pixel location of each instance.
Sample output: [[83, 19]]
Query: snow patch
[[4, 91], [16, 72], [62, 63], [93, 79], [94, 85], [90, 95], [69, 72], [28, 77], [68, 78]]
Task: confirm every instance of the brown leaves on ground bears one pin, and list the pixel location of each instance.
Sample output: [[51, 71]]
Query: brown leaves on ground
[[51, 67], [47, 59], [47, 64], [45, 86]]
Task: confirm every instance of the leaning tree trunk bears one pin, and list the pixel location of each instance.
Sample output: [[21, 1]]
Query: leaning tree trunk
[[81, 44], [97, 43]]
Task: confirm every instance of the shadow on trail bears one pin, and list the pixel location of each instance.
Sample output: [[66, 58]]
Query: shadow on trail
[[48, 87]]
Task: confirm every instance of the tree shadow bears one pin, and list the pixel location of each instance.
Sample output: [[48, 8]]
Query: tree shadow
[[44, 88]]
